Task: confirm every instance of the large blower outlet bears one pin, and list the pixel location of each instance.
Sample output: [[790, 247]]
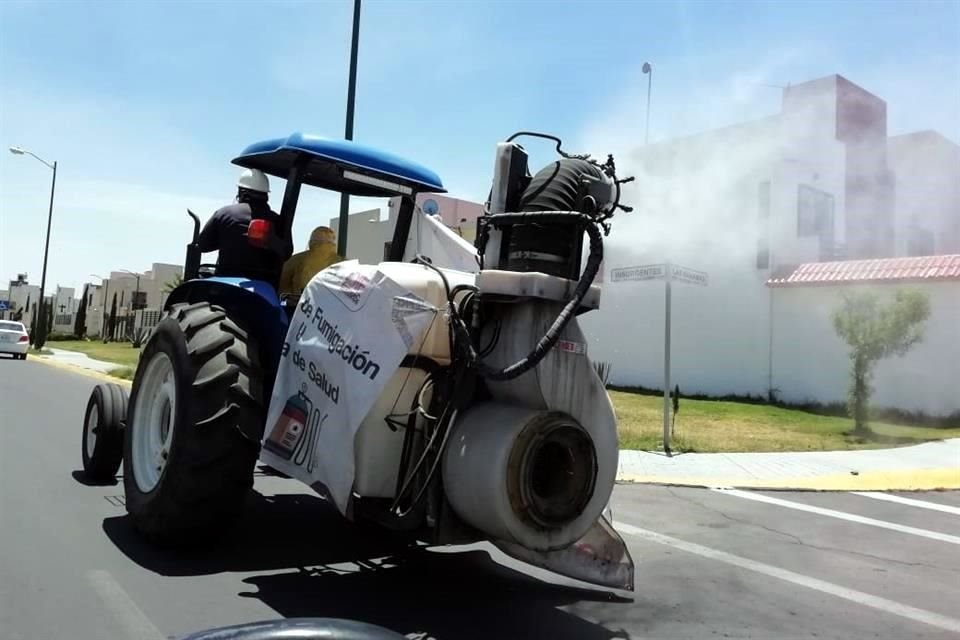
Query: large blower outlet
[[523, 475]]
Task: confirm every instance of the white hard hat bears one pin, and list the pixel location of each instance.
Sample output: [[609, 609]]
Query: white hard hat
[[255, 180]]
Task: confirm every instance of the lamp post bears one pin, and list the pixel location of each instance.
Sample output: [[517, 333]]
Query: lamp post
[[348, 129], [17, 151], [105, 283], [648, 71], [136, 293], [133, 303]]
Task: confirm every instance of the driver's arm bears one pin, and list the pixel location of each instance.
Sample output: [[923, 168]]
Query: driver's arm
[[209, 238]]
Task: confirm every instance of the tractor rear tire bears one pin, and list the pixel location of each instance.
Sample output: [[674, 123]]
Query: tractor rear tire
[[102, 444], [192, 438]]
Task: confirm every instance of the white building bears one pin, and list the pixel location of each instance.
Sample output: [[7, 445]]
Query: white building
[[146, 293], [927, 203], [65, 305], [22, 298], [814, 183], [368, 232], [366, 235]]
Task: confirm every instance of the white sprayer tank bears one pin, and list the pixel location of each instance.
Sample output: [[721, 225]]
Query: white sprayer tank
[[377, 447]]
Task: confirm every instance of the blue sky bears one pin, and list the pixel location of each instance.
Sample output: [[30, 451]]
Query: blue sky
[[143, 104]]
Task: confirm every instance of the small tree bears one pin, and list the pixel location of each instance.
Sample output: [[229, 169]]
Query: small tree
[[45, 322], [113, 317], [36, 325], [24, 309], [873, 332], [80, 323], [175, 282]]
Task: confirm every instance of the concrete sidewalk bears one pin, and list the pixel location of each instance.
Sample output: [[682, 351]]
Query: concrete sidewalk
[[77, 359], [932, 465]]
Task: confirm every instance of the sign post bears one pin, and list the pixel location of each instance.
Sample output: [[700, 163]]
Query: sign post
[[668, 273], [667, 306]]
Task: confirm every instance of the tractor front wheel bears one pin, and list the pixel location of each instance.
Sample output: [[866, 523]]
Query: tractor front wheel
[[190, 450]]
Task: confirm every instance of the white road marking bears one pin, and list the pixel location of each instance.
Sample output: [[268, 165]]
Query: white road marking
[[125, 611], [923, 504], [799, 506], [858, 597]]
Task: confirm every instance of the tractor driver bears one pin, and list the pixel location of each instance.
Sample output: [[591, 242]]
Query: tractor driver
[[226, 232]]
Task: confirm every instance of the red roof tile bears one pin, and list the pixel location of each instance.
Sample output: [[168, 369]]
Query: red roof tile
[[922, 268]]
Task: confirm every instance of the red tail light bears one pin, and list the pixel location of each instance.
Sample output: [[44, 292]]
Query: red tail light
[[24, 339], [257, 232]]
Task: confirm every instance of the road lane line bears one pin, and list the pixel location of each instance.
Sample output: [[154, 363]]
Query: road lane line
[[922, 504], [852, 595], [125, 611], [799, 506]]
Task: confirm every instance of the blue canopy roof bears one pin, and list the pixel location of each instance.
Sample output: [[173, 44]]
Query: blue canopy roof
[[375, 172]]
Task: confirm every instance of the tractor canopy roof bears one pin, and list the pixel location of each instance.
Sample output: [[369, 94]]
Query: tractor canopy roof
[[340, 165]]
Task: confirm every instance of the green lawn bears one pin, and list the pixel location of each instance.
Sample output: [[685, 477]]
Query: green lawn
[[702, 425], [707, 425], [121, 353]]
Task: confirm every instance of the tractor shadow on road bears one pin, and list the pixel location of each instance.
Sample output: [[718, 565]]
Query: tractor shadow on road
[[441, 595], [275, 532], [327, 567]]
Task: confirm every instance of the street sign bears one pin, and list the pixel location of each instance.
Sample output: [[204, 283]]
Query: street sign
[[4, 305], [659, 272], [645, 272], [690, 276]]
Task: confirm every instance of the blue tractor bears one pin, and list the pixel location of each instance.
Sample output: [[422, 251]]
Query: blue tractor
[[511, 437]]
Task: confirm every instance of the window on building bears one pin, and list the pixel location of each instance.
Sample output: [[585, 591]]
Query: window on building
[[121, 298], [763, 225], [814, 212]]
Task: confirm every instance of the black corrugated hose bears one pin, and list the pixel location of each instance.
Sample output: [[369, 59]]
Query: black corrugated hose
[[463, 341]]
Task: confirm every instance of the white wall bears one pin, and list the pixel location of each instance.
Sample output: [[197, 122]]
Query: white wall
[[719, 338], [366, 233], [811, 363]]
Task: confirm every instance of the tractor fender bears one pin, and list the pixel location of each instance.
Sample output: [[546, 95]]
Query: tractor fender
[[253, 304]]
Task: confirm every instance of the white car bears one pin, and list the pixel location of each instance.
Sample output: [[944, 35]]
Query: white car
[[14, 339]]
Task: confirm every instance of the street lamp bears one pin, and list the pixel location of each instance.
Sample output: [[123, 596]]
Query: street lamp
[[348, 130], [648, 71], [105, 283], [133, 304], [136, 294], [17, 151]]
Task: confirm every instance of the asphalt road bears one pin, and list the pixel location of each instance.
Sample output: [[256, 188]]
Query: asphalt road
[[710, 564]]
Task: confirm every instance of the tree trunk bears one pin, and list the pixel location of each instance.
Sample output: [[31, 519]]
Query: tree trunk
[[861, 397]]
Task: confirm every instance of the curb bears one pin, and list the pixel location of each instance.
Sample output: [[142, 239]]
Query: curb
[[103, 377], [893, 480]]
